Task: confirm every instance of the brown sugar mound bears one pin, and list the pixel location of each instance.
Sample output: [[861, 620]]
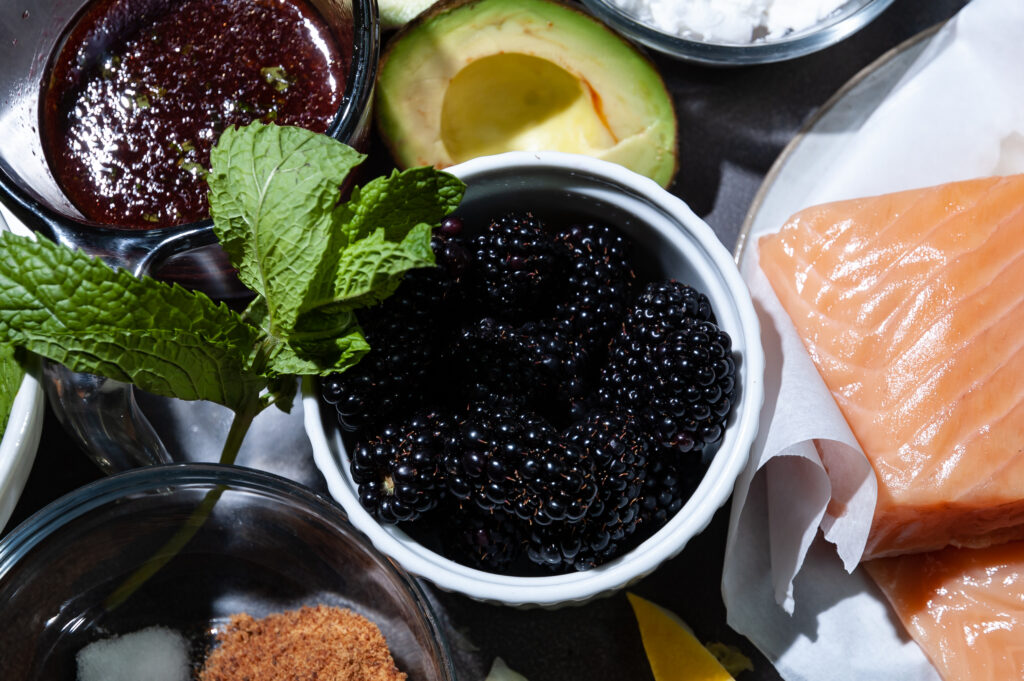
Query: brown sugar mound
[[322, 643]]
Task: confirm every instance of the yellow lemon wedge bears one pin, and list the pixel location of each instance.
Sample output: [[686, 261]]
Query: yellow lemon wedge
[[673, 652]]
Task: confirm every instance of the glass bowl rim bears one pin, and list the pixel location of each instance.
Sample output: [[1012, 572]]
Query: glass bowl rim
[[800, 43]]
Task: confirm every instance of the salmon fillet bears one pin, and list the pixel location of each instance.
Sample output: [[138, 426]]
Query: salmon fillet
[[911, 306], [964, 607]]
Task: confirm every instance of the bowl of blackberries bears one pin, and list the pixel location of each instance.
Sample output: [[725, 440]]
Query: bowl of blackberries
[[559, 405]]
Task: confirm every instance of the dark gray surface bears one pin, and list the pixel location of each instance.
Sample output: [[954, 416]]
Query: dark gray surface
[[733, 124]]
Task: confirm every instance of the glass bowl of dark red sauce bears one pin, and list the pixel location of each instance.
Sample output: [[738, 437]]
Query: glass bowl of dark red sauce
[[109, 108]]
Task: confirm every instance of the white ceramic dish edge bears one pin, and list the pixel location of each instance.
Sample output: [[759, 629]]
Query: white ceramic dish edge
[[21, 435], [19, 444], [712, 492]]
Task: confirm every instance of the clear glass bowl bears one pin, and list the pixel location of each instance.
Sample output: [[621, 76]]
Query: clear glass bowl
[[846, 20], [268, 545]]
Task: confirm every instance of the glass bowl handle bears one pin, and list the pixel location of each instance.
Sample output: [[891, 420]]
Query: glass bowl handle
[[103, 418], [102, 414]]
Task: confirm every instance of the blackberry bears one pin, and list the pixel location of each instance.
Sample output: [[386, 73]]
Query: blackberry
[[484, 360], [599, 284], [532, 361], [451, 227], [619, 448], [468, 397], [397, 365], [627, 378], [516, 265], [554, 549], [505, 460], [669, 483], [404, 336], [695, 386], [444, 283], [399, 471], [675, 370], [485, 540], [661, 307]]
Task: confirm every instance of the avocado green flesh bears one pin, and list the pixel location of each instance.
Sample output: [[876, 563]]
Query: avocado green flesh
[[477, 77]]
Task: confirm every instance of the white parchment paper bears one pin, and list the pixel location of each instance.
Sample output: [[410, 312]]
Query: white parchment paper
[[957, 113]]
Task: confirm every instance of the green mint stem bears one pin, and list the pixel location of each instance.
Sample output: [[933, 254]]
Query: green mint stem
[[239, 427], [232, 444]]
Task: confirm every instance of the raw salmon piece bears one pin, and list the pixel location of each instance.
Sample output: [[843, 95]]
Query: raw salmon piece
[[912, 307], [964, 607]]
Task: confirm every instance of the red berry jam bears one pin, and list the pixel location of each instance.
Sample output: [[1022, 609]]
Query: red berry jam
[[142, 89]]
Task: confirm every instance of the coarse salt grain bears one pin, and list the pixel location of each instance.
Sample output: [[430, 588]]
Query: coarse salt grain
[[154, 654], [730, 21]]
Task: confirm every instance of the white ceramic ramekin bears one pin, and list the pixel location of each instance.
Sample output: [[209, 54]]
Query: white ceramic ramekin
[[21, 435], [672, 242]]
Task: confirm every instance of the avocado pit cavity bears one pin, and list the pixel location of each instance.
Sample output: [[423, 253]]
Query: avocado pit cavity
[[543, 106]]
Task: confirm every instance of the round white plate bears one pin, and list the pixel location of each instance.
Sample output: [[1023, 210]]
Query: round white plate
[[834, 621], [800, 166]]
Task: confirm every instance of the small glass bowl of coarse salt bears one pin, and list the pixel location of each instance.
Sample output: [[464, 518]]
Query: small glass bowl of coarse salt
[[736, 32], [162, 571]]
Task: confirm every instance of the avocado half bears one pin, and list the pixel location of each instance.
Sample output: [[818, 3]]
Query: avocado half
[[469, 78]]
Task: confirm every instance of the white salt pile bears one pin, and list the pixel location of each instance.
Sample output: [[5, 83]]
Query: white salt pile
[[730, 21], [154, 654]]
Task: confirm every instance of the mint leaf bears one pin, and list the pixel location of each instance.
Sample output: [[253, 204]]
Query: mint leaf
[[284, 389], [404, 207], [323, 343], [161, 361], [372, 268], [328, 355], [400, 202], [311, 261], [393, 216], [274, 191], [76, 310]]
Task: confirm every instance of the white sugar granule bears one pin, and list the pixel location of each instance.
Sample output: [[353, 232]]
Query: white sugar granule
[[730, 21], [151, 654]]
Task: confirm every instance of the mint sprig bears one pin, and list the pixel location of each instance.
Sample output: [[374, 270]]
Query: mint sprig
[[310, 258]]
